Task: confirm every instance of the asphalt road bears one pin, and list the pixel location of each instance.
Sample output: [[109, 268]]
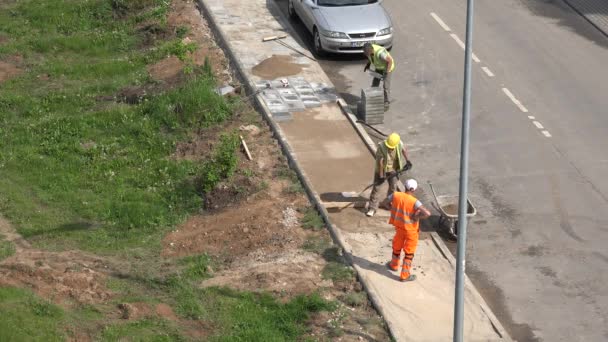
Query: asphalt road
[[539, 150]]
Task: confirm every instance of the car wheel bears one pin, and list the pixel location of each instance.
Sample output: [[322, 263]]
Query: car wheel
[[291, 10], [317, 41]]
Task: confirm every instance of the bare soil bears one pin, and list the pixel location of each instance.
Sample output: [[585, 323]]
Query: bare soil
[[64, 277], [9, 68]]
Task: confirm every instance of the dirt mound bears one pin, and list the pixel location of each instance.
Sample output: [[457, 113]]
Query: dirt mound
[[233, 232], [286, 274], [62, 277]]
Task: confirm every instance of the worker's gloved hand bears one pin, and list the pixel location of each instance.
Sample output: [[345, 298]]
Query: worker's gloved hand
[[366, 67], [408, 165]]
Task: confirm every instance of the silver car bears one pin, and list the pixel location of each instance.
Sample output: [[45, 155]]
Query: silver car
[[343, 26]]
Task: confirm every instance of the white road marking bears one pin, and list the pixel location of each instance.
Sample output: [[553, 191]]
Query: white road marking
[[461, 44], [440, 22], [455, 37], [490, 74], [516, 101]]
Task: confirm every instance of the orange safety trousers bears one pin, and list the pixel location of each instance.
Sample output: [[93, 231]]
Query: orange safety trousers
[[406, 240]]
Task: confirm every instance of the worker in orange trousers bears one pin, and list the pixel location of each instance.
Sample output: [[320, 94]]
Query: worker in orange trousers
[[406, 211]]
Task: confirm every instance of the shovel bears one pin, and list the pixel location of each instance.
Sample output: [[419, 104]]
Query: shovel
[[352, 194]]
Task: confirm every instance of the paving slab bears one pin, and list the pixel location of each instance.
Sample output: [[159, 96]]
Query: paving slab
[[326, 149]]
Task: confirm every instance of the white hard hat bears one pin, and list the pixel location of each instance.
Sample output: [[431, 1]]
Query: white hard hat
[[411, 184]]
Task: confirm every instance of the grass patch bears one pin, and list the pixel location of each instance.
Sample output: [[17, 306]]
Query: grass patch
[[296, 186], [77, 173], [149, 329], [25, 316], [247, 316], [317, 244], [196, 267], [355, 299], [336, 268], [222, 164], [7, 249], [312, 220], [234, 315]]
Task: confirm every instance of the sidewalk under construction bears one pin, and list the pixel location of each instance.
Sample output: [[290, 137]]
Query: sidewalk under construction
[[332, 155]]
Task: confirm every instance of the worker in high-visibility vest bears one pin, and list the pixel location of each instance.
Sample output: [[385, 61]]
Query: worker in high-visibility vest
[[406, 211], [384, 65], [391, 159]]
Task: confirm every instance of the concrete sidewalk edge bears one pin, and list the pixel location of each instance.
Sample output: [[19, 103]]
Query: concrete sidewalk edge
[[287, 150], [600, 25], [500, 330]]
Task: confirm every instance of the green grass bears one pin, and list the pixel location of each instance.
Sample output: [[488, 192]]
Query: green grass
[[231, 315], [77, 172], [148, 329], [244, 316], [25, 317], [196, 267], [7, 249], [336, 268], [355, 299], [312, 220]]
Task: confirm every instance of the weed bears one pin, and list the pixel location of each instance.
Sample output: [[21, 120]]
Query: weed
[[336, 268], [7, 249], [196, 267], [294, 188], [355, 299], [338, 272], [248, 173], [312, 220], [316, 244], [222, 164], [182, 31]]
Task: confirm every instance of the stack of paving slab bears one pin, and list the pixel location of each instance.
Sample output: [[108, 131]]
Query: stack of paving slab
[[372, 105]]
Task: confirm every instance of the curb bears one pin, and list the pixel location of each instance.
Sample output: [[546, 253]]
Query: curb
[[600, 25], [312, 195], [500, 330]]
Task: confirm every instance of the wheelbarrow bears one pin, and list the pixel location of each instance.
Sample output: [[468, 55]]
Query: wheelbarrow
[[447, 205]]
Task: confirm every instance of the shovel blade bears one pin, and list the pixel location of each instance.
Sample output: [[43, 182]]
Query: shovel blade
[[350, 194]]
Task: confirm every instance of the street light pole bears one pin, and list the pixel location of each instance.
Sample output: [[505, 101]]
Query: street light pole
[[462, 193]]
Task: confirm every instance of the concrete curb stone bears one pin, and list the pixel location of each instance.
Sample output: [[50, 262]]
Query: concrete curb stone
[[594, 11]]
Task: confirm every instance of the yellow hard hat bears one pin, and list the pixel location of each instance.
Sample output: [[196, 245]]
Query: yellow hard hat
[[392, 141]]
